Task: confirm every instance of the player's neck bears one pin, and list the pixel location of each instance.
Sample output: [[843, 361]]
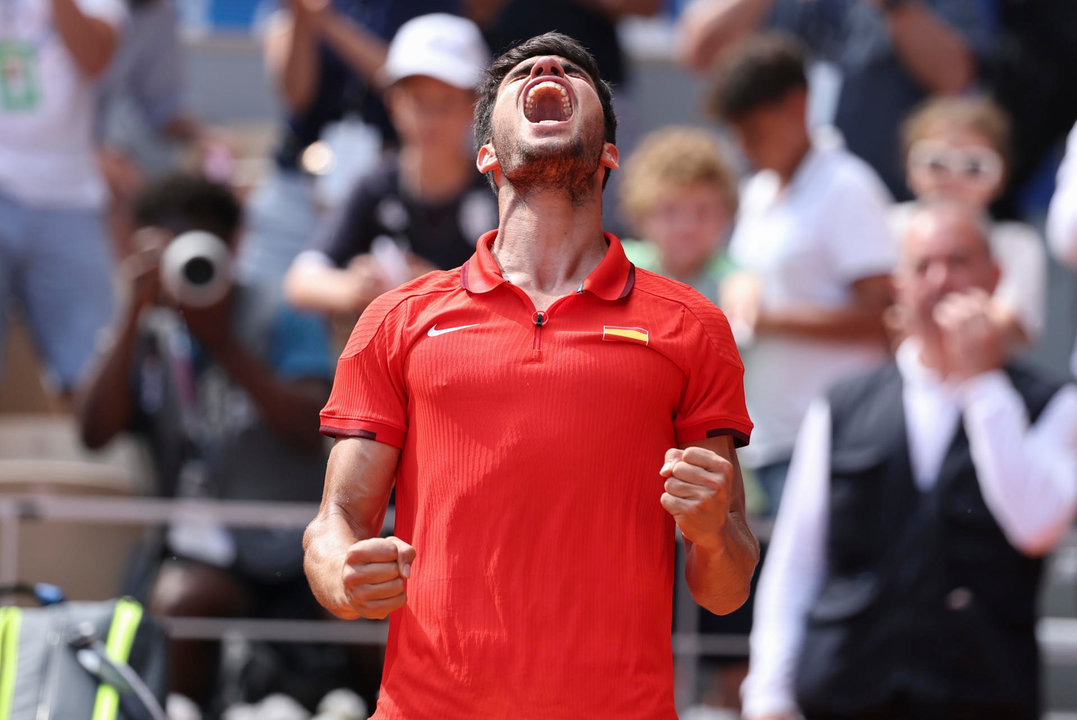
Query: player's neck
[[548, 244]]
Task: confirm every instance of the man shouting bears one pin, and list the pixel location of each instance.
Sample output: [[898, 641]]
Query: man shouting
[[547, 413]]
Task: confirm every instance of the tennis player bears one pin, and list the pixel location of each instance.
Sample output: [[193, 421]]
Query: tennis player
[[548, 413]]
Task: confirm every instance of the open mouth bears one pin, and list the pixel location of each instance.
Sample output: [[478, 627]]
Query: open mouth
[[547, 102]]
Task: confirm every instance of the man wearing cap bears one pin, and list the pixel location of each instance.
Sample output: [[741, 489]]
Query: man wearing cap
[[424, 207], [549, 414]]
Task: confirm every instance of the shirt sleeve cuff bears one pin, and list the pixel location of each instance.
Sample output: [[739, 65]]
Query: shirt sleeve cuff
[[338, 427], [740, 431]]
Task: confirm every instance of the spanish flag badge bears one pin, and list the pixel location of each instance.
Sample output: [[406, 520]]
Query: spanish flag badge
[[630, 334]]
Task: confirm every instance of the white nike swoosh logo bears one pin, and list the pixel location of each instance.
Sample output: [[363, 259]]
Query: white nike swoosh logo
[[434, 332]]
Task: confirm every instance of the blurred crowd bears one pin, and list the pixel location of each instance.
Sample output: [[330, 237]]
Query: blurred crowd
[[203, 315]]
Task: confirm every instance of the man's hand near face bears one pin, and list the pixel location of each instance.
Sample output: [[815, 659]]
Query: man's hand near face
[[972, 341]]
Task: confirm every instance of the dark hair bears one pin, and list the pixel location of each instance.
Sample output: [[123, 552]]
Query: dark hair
[[551, 43], [183, 201], [757, 72]]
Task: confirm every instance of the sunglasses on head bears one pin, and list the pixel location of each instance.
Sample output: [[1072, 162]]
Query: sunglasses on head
[[973, 164]]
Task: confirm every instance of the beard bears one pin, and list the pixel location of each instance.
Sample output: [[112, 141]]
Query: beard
[[568, 165]]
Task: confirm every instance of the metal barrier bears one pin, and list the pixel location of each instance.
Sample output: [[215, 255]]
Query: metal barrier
[[1057, 636]]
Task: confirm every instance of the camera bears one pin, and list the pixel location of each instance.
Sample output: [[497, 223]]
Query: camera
[[196, 269]]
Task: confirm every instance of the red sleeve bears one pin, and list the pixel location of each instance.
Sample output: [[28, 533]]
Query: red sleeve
[[369, 399], [713, 400]]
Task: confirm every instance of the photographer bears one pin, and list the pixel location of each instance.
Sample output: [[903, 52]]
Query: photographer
[[225, 389]]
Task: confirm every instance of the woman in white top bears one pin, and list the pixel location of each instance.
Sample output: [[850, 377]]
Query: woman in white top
[[957, 148]]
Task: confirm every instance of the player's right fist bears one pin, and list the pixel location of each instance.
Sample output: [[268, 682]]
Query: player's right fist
[[374, 573]]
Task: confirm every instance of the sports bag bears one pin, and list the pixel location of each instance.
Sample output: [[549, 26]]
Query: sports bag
[[82, 661]]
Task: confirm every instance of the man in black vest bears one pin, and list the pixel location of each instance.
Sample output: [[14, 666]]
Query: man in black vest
[[903, 572]]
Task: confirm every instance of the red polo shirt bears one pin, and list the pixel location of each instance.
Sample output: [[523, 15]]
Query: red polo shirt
[[528, 482]]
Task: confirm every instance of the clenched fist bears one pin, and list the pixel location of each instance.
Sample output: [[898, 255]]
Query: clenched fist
[[697, 493], [374, 573]]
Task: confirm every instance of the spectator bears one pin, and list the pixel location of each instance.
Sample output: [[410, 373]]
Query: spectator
[[423, 208], [903, 571], [142, 111], [812, 243], [1062, 216], [891, 55], [51, 192], [959, 149], [324, 57], [226, 397], [680, 194]]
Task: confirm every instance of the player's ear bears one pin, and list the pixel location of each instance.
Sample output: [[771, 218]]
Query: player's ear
[[486, 161], [611, 156]]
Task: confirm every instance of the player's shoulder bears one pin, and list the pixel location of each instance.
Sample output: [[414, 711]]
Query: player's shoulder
[[660, 289], [433, 284], [697, 318], [391, 311]]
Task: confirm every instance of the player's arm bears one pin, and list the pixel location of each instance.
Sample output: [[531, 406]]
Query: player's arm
[[352, 572], [704, 492]]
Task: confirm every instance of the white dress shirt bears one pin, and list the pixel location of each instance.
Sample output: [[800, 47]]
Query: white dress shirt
[[1027, 475]]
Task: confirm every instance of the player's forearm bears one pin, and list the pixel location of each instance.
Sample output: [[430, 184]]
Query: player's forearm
[[90, 41], [933, 52], [325, 549], [719, 578]]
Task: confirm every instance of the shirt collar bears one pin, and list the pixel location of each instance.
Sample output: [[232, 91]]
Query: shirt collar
[[611, 280], [912, 369], [825, 142]]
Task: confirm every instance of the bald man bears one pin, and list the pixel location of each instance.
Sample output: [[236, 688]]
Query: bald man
[[906, 557]]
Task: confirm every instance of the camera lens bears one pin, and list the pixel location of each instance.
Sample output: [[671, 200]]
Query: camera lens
[[198, 270]]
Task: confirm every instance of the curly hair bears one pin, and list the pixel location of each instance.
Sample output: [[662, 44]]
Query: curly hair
[[672, 159]]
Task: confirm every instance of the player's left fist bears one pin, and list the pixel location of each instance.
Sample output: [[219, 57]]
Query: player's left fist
[[697, 493]]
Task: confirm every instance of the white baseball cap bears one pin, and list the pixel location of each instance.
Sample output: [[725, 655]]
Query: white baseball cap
[[442, 46]]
